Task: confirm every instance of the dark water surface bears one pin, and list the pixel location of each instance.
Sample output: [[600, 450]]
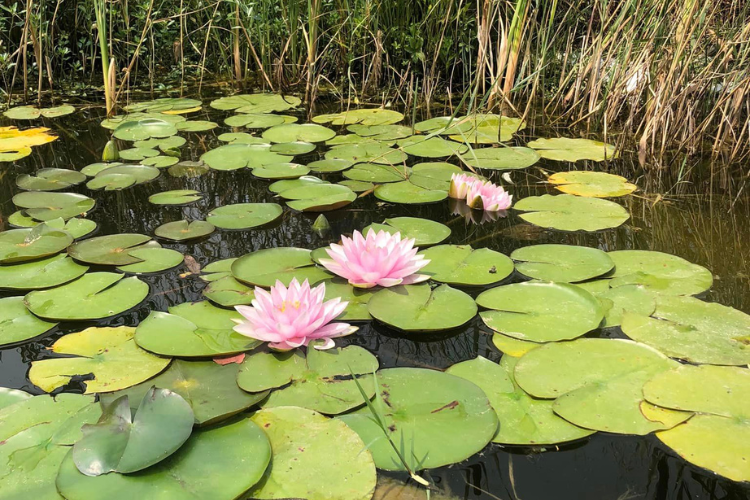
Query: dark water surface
[[703, 217]]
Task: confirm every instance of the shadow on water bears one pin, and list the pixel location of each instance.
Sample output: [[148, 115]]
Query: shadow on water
[[705, 220]]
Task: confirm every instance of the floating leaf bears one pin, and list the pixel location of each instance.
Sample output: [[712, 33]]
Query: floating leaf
[[417, 406], [328, 166], [48, 206], [293, 148], [16, 144], [165, 144], [566, 263], [434, 147], [212, 465], [32, 113], [109, 354], [196, 126], [375, 116], [137, 154], [462, 265], [188, 169], [40, 273], [285, 185], [425, 232], [115, 121], [380, 174], [122, 176], [486, 129], [571, 213], [119, 442], [12, 396], [95, 168], [419, 308], [265, 267], [164, 104], [523, 420], [511, 346], [18, 245], [319, 198], [244, 215], [541, 312], [314, 457], [238, 155], [357, 186], [408, 193], [92, 296], [256, 103], [617, 301], [281, 171], [182, 230], [77, 228], [175, 197], [383, 133], [323, 381], [258, 120], [228, 292], [218, 269], [591, 184], [193, 329], [50, 179], [147, 128], [291, 132], [433, 175], [502, 158], [568, 149], [373, 152], [659, 272], [17, 323], [152, 260], [111, 250], [160, 161]]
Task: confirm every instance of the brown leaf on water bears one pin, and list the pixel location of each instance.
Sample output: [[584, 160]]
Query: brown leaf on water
[[192, 266]]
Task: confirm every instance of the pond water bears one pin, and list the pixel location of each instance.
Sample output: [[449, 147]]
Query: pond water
[[704, 218]]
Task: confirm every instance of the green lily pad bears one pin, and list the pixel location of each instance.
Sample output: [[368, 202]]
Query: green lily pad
[[444, 125], [217, 270], [291, 132], [193, 329], [568, 149], [47, 206], [370, 152], [383, 133], [50, 179], [523, 420], [12, 396], [137, 154], [322, 382], [147, 128], [598, 383], [357, 186], [541, 312], [92, 296], [408, 193], [462, 265], [591, 184], [314, 457], [19, 245], [234, 156], [164, 104], [32, 113], [434, 147], [244, 215], [77, 228], [565, 263], [40, 273], [293, 148], [258, 120], [36, 434], [111, 182], [571, 213], [256, 103], [375, 116], [165, 144], [502, 158], [433, 175], [196, 126], [425, 232], [617, 301], [284, 185], [95, 168], [160, 161], [242, 138], [355, 139], [319, 198], [659, 272], [690, 329], [115, 121], [210, 389], [485, 129], [220, 463], [511, 346], [119, 442], [17, 323], [111, 250], [329, 166], [109, 354], [434, 419], [182, 230], [419, 308], [357, 298], [380, 174], [265, 267], [175, 197], [152, 260], [228, 292], [281, 171]]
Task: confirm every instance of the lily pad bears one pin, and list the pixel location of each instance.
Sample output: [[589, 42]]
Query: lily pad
[[16, 144], [241, 138], [357, 186], [434, 147], [111, 250], [244, 215], [50, 179], [111, 182], [32, 113], [94, 168], [419, 308], [17, 323], [256, 103], [175, 197], [234, 156], [319, 198], [433, 175], [502, 158], [76, 227], [188, 169], [165, 144], [598, 383], [47, 206], [196, 126], [541, 312], [375, 116], [193, 329], [40, 273], [617, 301], [425, 232], [434, 419], [512, 346], [281, 171], [92, 296], [565, 263], [293, 148], [323, 381], [217, 270], [264, 267], [291, 132], [591, 184], [329, 166], [229, 292], [210, 389], [160, 161], [258, 120], [371, 152], [305, 180], [138, 154], [357, 298], [486, 129], [152, 260], [119, 442], [383, 133], [659, 272], [314, 457], [523, 420], [569, 149], [115, 121], [182, 230], [147, 128], [379, 174], [461, 265], [109, 354], [690, 329], [19, 245], [571, 213], [212, 465], [12, 396], [407, 193], [164, 104]]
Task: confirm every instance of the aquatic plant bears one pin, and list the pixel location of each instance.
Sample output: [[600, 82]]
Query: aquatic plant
[[479, 194]]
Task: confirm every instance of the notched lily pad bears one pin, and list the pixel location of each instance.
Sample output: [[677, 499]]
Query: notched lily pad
[[461, 265], [183, 230], [571, 213], [264, 267]]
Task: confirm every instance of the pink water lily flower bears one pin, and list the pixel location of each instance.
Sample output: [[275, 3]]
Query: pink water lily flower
[[288, 318], [460, 185], [488, 197], [380, 259]]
